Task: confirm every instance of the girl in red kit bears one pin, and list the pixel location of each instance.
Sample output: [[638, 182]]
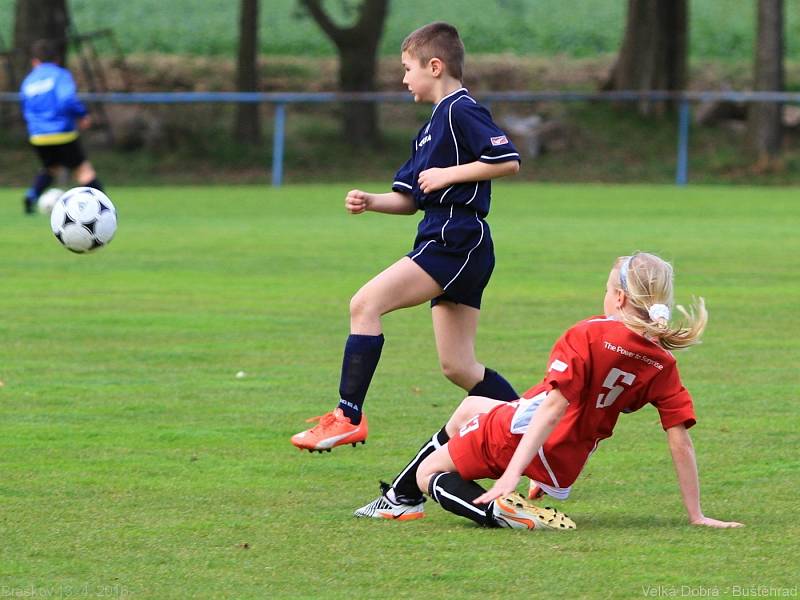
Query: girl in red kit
[[599, 368]]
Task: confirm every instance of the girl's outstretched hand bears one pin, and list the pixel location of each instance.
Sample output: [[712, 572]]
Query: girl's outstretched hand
[[356, 202], [709, 522], [504, 485]]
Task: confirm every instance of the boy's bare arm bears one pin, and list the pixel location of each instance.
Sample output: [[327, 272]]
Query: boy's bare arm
[[436, 178], [683, 457], [395, 203]]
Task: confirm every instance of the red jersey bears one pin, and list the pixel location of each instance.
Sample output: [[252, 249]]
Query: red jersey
[[603, 369]]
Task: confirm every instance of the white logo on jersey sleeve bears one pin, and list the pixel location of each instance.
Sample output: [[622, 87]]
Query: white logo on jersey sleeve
[[558, 365]]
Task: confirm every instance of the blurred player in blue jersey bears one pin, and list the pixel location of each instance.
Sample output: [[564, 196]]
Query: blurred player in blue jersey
[[453, 159], [54, 114]]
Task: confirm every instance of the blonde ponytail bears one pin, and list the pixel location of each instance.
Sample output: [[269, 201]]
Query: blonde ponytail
[[647, 283]]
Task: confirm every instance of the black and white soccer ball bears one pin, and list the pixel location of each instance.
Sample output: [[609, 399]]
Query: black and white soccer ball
[[83, 219]]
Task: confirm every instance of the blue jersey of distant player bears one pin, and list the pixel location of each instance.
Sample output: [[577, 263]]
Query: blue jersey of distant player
[[50, 105], [454, 244], [460, 131]]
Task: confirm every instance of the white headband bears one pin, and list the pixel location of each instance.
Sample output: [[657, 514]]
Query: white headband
[[623, 273], [658, 311]]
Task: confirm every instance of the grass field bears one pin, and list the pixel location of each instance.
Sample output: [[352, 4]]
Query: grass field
[[133, 463], [719, 28]]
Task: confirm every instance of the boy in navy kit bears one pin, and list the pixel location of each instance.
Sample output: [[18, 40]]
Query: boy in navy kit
[[54, 114], [453, 159]]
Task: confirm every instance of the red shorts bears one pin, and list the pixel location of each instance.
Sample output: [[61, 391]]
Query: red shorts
[[484, 446]]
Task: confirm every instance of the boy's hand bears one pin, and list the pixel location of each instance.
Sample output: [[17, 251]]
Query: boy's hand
[[356, 202], [433, 179], [709, 522]]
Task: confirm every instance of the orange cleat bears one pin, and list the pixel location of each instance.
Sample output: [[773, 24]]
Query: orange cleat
[[334, 429]]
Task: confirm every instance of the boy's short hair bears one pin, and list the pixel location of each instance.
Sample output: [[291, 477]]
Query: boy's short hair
[[437, 40], [46, 51]]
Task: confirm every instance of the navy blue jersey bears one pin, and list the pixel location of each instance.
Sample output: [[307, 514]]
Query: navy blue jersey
[[460, 131]]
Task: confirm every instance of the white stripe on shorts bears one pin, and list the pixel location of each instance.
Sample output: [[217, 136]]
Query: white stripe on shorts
[[547, 466], [468, 254], [423, 249], [444, 242]]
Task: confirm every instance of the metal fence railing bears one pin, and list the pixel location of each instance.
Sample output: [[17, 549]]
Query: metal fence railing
[[281, 100]]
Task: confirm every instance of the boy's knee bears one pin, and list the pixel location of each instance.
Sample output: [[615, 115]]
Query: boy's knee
[[359, 305], [449, 369], [85, 173], [459, 373]]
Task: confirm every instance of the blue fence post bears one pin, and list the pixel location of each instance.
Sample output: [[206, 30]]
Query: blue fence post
[[277, 145], [682, 168]]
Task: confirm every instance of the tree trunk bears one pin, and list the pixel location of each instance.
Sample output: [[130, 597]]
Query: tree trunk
[[247, 126], [357, 74], [653, 55], [36, 20], [765, 119], [357, 46]]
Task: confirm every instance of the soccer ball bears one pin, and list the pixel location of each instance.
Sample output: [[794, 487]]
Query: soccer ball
[[48, 200], [83, 219]]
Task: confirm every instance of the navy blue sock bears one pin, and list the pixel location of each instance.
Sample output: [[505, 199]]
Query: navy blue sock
[[41, 182], [361, 356], [404, 485], [494, 386], [456, 495], [95, 183]]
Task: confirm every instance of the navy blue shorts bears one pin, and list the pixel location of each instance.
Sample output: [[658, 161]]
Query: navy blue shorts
[[454, 246]]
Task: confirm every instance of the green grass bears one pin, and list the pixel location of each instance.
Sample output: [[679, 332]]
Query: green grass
[[718, 28], [133, 463]]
